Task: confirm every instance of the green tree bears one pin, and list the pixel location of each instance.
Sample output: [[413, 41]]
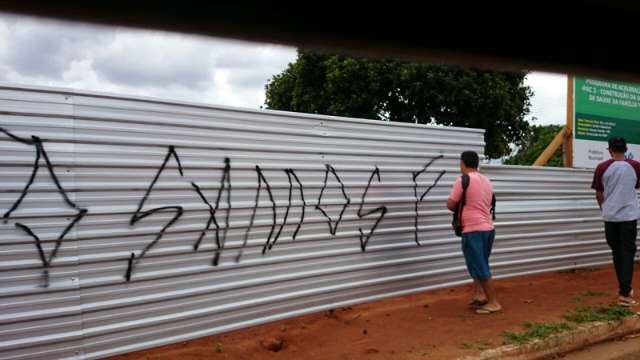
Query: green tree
[[409, 92], [538, 138]]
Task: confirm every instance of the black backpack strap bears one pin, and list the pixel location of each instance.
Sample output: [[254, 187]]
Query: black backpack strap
[[493, 206], [465, 186], [465, 182]]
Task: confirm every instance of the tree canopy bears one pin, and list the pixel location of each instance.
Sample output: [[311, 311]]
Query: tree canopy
[[393, 90], [538, 138]]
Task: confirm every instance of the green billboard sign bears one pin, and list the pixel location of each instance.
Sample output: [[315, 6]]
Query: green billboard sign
[[603, 109], [607, 108]]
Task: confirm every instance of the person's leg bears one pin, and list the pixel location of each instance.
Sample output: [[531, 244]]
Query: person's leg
[[628, 232], [486, 245], [487, 284], [478, 292], [489, 290], [612, 234], [470, 251]]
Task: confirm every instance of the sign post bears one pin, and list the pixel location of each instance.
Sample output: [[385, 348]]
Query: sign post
[[568, 130]]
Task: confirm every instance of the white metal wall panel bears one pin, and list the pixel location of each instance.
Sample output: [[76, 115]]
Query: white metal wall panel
[[106, 150]]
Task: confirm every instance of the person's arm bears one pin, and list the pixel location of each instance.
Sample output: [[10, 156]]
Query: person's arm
[[599, 198], [452, 204], [636, 167], [455, 196], [597, 183]]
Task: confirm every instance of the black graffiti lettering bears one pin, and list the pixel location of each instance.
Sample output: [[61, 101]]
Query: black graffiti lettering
[[54, 177], [139, 215], [225, 184], [376, 215], [364, 240], [178, 213], [304, 204], [75, 220], [291, 173], [333, 229], [261, 179], [41, 153], [81, 211], [212, 216], [15, 137], [286, 213], [130, 266], [227, 214], [17, 203], [27, 230], [420, 198]]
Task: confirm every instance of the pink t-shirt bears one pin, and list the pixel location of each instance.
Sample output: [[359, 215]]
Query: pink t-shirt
[[476, 214]]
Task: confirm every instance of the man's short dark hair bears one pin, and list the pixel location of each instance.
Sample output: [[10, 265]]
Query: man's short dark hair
[[618, 144], [470, 159]]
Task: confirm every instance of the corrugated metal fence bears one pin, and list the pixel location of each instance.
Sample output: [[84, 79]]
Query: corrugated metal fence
[[132, 223]]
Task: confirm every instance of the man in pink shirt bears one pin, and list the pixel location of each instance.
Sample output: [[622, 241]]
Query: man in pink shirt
[[477, 230]]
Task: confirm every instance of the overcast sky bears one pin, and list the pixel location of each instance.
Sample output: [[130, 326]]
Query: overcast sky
[[172, 66]]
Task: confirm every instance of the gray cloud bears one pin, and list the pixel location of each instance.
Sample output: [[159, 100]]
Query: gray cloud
[[44, 48], [549, 102], [237, 56], [137, 62], [160, 59], [250, 78]]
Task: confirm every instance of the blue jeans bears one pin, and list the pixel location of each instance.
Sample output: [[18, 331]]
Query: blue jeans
[[476, 247]]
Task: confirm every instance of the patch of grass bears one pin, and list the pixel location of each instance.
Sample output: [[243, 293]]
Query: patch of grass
[[589, 293], [536, 331], [612, 312], [467, 346], [218, 347], [582, 314]]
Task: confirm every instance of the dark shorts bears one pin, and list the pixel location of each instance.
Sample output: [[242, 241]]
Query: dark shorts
[[476, 247]]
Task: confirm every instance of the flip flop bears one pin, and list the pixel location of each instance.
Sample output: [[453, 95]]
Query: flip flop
[[627, 303], [484, 310], [475, 303]]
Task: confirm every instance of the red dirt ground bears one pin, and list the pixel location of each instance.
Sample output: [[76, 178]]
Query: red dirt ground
[[430, 325]]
